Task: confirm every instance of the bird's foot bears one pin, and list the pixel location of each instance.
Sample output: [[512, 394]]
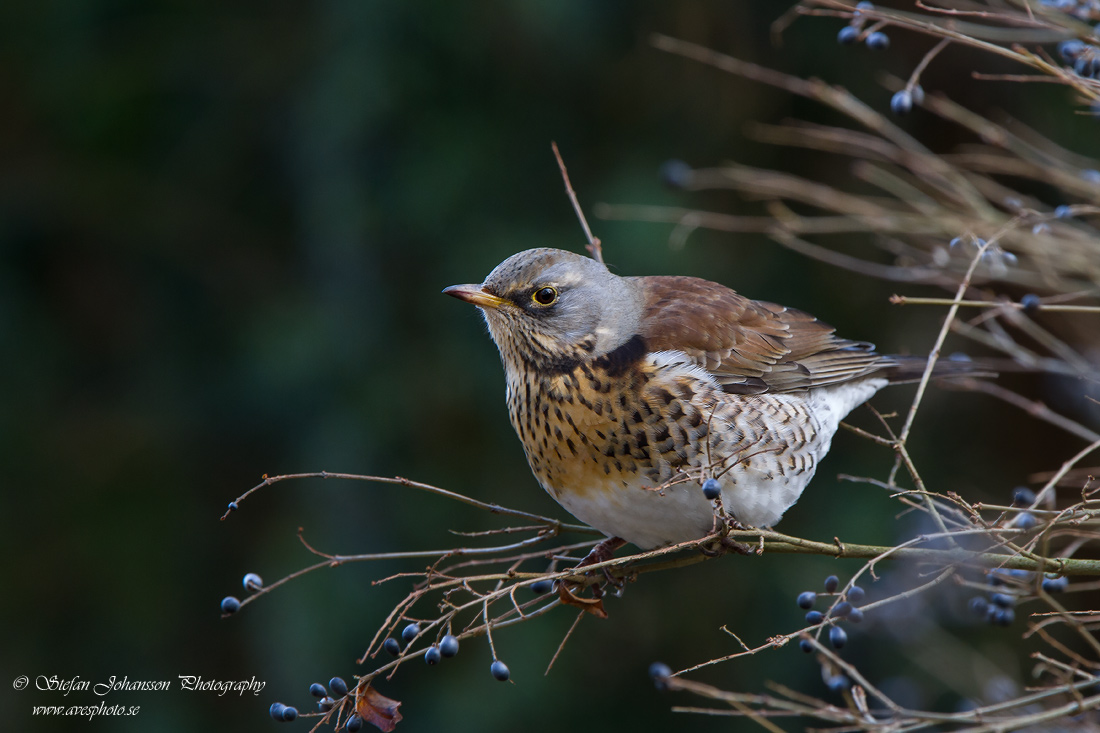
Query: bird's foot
[[722, 545], [602, 553]]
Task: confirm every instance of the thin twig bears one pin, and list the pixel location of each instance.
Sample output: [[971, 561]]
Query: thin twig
[[594, 246]]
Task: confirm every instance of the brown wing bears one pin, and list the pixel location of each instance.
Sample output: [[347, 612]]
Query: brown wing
[[750, 346]]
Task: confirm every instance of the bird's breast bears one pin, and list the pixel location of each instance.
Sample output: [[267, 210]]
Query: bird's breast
[[596, 429]]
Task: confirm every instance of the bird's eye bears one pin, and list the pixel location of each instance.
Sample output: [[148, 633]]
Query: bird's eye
[[545, 296]]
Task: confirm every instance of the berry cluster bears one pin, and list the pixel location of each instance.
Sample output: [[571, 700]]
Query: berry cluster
[[446, 647], [326, 700], [843, 608], [1006, 588], [282, 713], [251, 583], [1080, 9], [1084, 57], [876, 40]]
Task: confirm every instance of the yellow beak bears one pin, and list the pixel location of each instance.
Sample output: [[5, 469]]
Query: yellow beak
[[476, 295]]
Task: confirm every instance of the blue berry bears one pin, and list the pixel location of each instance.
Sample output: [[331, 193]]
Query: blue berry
[[847, 35], [230, 605], [864, 6], [901, 103], [837, 682], [338, 686], [1070, 50], [325, 704], [878, 41], [659, 673], [1087, 65], [978, 606], [807, 599], [448, 646], [391, 646], [289, 714], [542, 587], [856, 616], [432, 655], [1004, 600], [317, 690], [805, 645], [1021, 495], [1025, 521], [1001, 616], [354, 724], [410, 632], [856, 594], [499, 670], [233, 506], [675, 173], [1063, 212], [831, 584], [1030, 303], [712, 489], [1055, 585], [841, 609], [814, 617], [838, 637], [276, 711], [252, 582]]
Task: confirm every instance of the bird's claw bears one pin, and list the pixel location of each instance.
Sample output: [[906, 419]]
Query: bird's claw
[[602, 553]]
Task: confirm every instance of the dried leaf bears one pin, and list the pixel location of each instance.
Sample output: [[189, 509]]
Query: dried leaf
[[378, 710], [593, 606]]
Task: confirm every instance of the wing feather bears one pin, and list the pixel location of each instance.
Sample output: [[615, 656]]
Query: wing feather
[[749, 346]]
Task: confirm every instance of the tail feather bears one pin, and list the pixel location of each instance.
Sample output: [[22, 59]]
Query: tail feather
[[905, 369]]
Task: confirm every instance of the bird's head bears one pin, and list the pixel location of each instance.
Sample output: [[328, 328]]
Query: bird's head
[[549, 307]]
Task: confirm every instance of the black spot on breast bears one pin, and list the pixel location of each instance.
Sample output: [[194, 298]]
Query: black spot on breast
[[617, 361]]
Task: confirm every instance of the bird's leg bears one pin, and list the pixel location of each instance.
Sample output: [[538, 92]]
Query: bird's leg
[[602, 553], [723, 543]]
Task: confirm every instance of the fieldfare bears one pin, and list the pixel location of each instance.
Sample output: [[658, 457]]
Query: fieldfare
[[629, 392]]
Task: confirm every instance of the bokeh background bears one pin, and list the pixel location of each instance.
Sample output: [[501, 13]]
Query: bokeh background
[[223, 232]]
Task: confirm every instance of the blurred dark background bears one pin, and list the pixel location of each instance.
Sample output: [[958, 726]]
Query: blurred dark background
[[223, 233]]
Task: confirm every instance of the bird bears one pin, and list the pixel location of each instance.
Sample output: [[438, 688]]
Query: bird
[[629, 394]]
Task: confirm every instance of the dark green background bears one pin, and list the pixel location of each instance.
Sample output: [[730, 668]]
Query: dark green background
[[223, 232]]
